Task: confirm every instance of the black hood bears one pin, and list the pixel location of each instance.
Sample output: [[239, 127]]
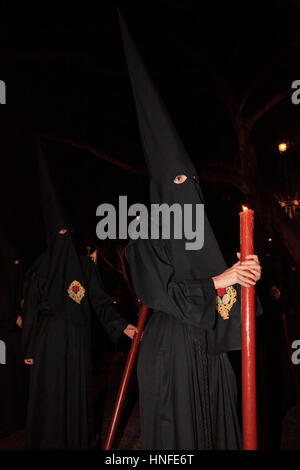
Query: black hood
[[165, 154], [166, 157], [54, 217], [59, 271]]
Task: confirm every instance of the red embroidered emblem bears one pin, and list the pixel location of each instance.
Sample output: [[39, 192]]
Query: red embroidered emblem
[[76, 291], [221, 291]]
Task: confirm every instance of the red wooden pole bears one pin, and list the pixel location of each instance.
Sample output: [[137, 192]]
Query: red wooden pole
[[110, 436], [248, 339]]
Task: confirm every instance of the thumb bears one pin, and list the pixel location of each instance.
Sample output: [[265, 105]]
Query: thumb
[[238, 255]]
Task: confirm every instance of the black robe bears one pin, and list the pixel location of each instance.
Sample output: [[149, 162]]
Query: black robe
[[187, 394], [60, 409]]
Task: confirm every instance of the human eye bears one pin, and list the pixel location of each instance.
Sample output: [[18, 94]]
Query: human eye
[[179, 179]]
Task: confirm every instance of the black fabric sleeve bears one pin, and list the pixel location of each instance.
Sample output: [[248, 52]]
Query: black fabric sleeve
[[103, 304], [30, 315], [192, 301]]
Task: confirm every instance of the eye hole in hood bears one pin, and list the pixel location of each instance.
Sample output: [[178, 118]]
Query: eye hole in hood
[[179, 179]]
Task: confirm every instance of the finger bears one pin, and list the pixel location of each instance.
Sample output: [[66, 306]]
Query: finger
[[257, 274], [249, 268], [255, 266], [254, 257], [238, 255], [245, 272], [243, 280], [249, 276], [251, 263], [251, 260], [255, 271], [245, 267], [243, 283]]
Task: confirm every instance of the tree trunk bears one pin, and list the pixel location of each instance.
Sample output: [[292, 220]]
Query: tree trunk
[[271, 215]]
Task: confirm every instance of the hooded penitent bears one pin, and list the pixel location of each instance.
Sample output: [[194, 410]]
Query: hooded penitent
[[61, 290], [55, 335], [166, 158], [59, 271], [187, 396]]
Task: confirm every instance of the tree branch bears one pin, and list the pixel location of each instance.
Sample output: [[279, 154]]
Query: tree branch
[[253, 118], [220, 173], [88, 148], [226, 95], [214, 172], [260, 79]]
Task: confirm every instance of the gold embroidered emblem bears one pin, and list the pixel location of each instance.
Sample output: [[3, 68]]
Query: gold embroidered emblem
[[76, 291], [225, 300]]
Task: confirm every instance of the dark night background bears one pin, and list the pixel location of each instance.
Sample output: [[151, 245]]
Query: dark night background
[[67, 81]]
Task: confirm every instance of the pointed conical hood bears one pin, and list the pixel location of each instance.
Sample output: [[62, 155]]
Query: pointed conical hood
[[54, 217], [165, 154], [166, 157]]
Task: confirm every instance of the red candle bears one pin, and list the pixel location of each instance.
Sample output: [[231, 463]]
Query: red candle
[[248, 338]]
